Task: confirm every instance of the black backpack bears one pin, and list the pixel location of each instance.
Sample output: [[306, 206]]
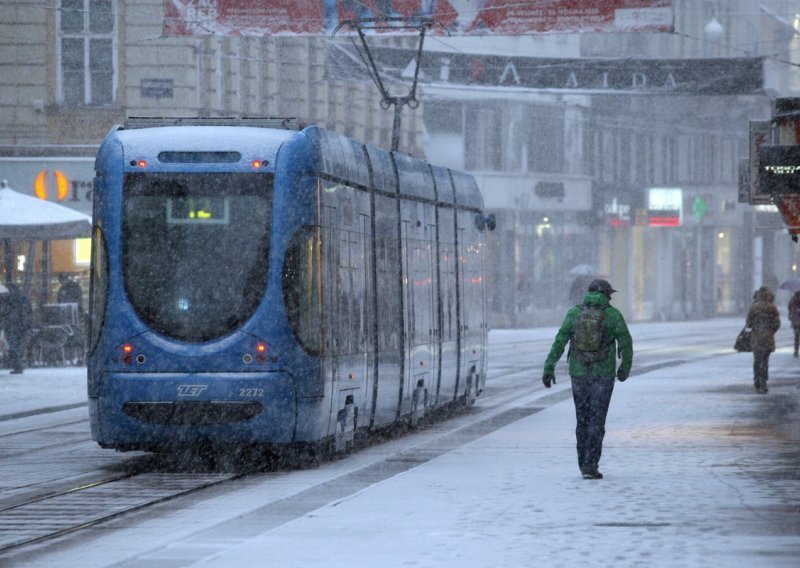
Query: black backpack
[[588, 342]]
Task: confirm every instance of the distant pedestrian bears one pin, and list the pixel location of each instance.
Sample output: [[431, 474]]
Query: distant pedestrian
[[597, 334], [17, 323], [764, 320], [794, 318], [70, 291]]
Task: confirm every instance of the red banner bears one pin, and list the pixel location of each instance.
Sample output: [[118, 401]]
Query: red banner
[[457, 17]]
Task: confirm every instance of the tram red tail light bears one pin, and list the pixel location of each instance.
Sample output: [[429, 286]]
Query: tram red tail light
[[127, 353], [261, 352]]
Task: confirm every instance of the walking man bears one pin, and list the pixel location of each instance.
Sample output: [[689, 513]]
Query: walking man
[[597, 334]]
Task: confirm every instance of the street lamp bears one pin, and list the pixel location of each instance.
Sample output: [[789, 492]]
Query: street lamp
[[713, 30]]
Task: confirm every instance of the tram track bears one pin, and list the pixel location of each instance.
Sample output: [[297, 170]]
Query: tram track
[[53, 516]]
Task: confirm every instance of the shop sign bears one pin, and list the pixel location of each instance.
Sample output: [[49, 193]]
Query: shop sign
[[663, 77], [157, 88], [64, 180], [744, 181], [51, 184], [617, 214], [665, 207], [779, 169], [760, 134]]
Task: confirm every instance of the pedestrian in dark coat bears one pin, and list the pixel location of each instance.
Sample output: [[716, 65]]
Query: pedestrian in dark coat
[[794, 318], [764, 320], [592, 383], [70, 291], [18, 323]]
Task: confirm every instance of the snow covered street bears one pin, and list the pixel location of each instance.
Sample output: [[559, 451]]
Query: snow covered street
[[699, 471]]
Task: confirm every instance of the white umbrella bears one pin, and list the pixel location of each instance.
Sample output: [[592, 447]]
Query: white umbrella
[[23, 217], [584, 270], [26, 218]]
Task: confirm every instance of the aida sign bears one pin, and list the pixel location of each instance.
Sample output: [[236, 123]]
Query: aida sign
[[713, 76], [453, 17]]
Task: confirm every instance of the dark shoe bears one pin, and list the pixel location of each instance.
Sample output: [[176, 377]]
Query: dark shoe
[[795, 353], [591, 474], [16, 372]]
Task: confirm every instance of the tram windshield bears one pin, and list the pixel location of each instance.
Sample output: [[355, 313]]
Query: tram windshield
[[195, 250]]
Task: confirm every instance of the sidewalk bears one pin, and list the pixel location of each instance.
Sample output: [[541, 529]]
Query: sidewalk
[[698, 472]]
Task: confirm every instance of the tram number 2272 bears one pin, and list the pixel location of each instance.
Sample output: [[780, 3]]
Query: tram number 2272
[[251, 392]]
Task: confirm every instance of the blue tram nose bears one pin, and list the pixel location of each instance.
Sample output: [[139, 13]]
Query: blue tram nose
[[152, 409]]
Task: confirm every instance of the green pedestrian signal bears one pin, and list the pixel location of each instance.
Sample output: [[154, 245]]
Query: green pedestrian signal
[[700, 207]]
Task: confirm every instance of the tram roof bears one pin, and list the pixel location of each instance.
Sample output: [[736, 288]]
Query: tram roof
[[205, 138]]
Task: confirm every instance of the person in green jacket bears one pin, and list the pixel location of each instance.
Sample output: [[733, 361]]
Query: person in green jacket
[[592, 367]]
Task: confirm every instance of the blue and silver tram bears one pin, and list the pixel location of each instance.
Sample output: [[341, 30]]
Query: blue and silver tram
[[263, 285]]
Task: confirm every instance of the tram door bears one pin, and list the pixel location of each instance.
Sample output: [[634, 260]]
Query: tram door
[[446, 293], [472, 316], [388, 309], [347, 300], [418, 233], [448, 330]]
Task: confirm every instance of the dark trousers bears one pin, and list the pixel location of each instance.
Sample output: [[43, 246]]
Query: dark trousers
[[796, 338], [760, 369], [592, 396]]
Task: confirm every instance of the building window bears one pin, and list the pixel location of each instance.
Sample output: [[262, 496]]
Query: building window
[[87, 43], [483, 137], [546, 139]]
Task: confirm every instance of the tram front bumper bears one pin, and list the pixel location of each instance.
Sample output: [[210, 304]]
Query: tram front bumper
[[150, 409]]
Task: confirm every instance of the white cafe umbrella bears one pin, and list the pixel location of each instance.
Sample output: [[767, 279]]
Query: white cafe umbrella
[[23, 217], [584, 270], [26, 218]]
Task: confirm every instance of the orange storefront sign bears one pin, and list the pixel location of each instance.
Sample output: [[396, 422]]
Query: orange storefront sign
[[49, 184]]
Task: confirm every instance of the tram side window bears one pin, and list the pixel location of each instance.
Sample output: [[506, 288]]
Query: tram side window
[[302, 289], [99, 287], [388, 267]]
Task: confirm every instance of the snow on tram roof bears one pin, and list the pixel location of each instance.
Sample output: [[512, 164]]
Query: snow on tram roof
[[205, 137]]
